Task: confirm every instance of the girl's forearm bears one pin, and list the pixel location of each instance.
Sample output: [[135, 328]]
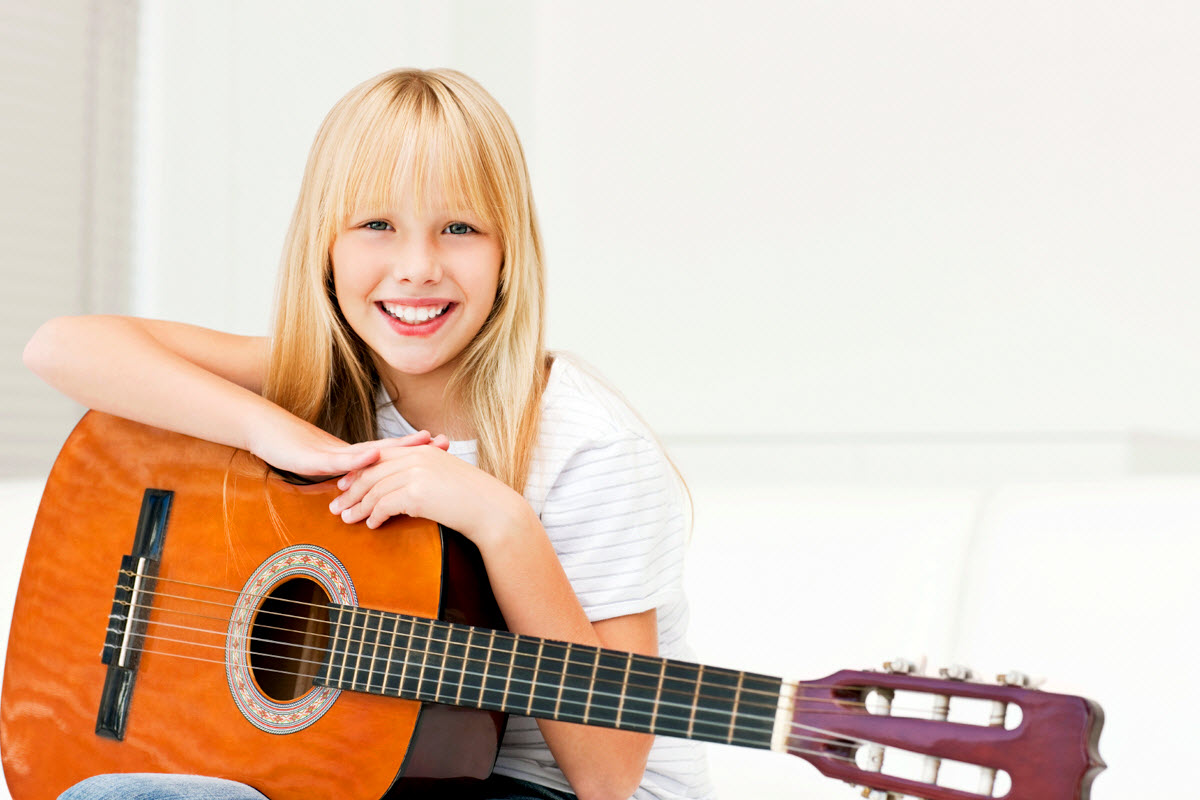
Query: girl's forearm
[[114, 364], [537, 599]]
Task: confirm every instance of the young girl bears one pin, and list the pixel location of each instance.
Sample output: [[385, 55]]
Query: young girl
[[408, 354]]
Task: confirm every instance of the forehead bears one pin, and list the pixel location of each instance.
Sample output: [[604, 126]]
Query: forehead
[[415, 171]]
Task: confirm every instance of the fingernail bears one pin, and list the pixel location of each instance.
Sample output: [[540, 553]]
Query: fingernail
[[343, 482]]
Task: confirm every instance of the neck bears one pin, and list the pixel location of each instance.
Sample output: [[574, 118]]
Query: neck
[[421, 400], [403, 656]]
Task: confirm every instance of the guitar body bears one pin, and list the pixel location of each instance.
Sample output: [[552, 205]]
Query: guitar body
[[227, 519]]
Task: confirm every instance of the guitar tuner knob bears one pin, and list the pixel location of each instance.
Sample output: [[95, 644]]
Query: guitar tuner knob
[[957, 672], [902, 666], [1015, 678]]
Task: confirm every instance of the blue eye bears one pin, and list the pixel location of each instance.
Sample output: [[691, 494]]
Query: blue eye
[[377, 225], [459, 228]]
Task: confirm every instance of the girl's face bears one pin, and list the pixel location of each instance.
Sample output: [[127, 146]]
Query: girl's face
[[416, 287]]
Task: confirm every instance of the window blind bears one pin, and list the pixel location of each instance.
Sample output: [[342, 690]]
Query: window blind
[[65, 209]]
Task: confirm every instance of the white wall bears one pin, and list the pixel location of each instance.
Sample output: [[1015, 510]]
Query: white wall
[[763, 218]]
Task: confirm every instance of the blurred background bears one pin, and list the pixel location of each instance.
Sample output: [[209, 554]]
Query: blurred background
[[909, 290]]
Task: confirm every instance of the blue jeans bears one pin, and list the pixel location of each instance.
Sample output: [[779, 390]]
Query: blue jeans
[[195, 787]]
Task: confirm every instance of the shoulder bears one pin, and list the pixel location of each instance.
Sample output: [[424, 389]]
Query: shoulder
[[590, 437], [579, 405]]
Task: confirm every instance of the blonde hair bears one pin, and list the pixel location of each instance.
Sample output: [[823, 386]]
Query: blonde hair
[[381, 141]]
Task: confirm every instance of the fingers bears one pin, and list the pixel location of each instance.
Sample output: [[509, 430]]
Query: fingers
[[374, 502], [392, 485], [363, 489]]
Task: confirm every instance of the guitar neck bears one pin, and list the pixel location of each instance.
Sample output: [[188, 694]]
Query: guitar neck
[[440, 662]]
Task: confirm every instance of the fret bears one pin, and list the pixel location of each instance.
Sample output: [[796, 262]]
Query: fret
[[533, 684], [641, 693], [387, 685], [438, 644], [522, 675], [610, 673], [562, 681], [368, 651], [458, 647], [624, 689], [487, 666], [410, 679], [325, 675], [658, 690], [679, 686], [695, 699], [548, 684], [713, 716], [737, 699], [421, 642], [500, 665], [574, 695], [347, 630], [591, 688], [401, 650], [385, 626], [754, 726]]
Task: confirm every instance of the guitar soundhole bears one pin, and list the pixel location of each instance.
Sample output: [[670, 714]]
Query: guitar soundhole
[[289, 639]]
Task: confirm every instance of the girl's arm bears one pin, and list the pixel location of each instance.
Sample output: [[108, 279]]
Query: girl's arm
[[530, 585], [537, 599], [187, 379]]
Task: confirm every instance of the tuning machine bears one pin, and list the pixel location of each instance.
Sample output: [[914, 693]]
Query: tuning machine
[[1019, 679], [902, 666]]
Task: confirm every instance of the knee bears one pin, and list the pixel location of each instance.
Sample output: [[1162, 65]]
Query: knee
[[136, 786]]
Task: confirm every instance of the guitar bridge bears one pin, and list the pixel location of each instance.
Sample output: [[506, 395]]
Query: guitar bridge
[[125, 635]]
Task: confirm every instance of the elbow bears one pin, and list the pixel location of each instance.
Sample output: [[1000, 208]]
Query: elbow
[[618, 784], [40, 350]]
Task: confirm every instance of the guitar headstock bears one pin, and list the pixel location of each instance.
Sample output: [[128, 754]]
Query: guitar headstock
[[899, 734]]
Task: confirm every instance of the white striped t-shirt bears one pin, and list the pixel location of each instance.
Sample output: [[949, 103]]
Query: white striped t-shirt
[[613, 509]]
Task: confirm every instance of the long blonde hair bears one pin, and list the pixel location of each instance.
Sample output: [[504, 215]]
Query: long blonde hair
[[379, 142]]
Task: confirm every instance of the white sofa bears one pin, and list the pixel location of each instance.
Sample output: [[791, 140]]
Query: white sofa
[[1089, 583]]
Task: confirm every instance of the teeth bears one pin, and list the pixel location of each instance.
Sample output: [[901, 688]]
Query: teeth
[[414, 315]]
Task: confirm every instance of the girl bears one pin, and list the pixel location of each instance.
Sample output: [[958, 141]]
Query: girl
[[408, 354]]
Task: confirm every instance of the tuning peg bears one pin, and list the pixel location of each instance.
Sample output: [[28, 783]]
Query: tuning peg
[[902, 666], [957, 672], [877, 794], [1019, 679]]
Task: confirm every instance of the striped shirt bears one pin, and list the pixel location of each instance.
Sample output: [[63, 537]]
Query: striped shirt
[[613, 508]]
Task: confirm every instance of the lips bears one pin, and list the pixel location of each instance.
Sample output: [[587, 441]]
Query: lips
[[417, 317], [414, 314]]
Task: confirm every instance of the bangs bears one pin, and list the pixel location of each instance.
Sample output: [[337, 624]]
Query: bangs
[[412, 146]]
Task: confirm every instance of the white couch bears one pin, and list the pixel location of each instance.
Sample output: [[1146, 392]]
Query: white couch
[[1089, 583]]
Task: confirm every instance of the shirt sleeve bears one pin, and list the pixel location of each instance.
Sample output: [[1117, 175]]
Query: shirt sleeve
[[616, 517]]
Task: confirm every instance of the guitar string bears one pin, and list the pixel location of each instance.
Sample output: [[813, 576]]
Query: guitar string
[[654, 673], [532, 682], [689, 693], [411, 618], [834, 738], [434, 624]]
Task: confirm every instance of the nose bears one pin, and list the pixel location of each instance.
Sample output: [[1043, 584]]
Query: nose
[[416, 260]]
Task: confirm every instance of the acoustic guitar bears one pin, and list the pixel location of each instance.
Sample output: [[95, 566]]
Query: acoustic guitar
[[184, 609]]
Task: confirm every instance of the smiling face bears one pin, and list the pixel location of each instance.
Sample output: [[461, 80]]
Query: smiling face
[[416, 283]]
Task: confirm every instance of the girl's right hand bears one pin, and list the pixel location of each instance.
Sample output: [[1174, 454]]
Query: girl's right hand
[[305, 449]]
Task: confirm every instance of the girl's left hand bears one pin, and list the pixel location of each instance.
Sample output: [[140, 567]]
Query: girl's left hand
[[423, 481]]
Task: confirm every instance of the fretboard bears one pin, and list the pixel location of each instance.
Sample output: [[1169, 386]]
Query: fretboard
[[461, 665]]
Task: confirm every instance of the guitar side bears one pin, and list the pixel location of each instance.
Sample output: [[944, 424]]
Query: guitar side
[[181, 716]]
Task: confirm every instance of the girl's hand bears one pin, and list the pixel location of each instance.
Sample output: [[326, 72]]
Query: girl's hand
[[426, 482], [296, 446]]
